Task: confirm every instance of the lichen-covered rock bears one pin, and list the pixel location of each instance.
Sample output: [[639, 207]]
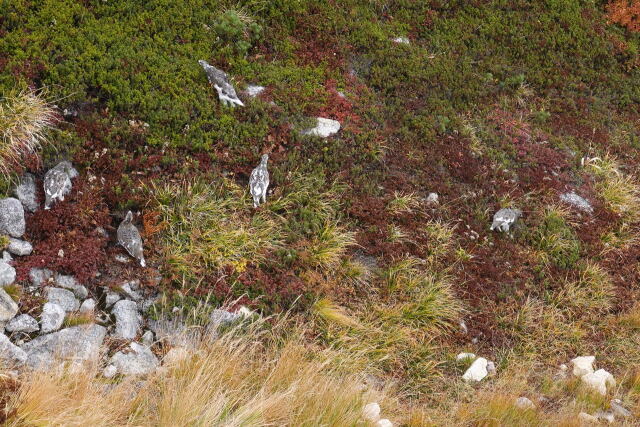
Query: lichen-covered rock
[[26, 192], [130, 289], [88, 306], [11, 354], [8, 307], [70, 283], [52, 318], [40, 276], [324, 128], [77, 345], [12, 217], [137, 360], [64, 298], [577, 202], [7, 274], [128, 320], [19, 247], [22, 323]]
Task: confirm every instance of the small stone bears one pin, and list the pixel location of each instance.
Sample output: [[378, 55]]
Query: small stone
[[147, 338], [7, 274], [254, 90], [524, 403], [138, 360], [26, 192], [8, 307], [586, 418], [22, 323], [128, 320], [324, 128], [130, 289], [605, 416], [88, 306], [371, 412], [63, 297], [577, 202], [432, 198], [11, 354], [110, 371], [12, 217], [384, 423], [619, 410], [582, 365], [111, 298], [52, 318], [19, 247], [477, 371], [40, 276], [599, 381], [401, 40], [70, 283], [465, 356], [61, 253]]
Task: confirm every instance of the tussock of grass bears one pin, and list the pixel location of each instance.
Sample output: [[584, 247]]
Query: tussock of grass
[[329, 246], [403, 203], [593, 292], [621, 192], [556, 239]]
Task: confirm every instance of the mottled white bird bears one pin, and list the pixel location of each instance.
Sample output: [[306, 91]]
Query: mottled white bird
[[259, 182], [129, 238], [57, 182], [220, 81], [504, 218]]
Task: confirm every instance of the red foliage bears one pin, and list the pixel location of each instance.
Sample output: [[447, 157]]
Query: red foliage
[[625, 13]]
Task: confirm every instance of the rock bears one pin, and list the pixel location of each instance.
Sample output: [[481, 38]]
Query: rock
[[477, 371], [504, 219], [577, 202], [127, 319], [465, 356], [7, 274], [26, 192], [110, 371], [6, 256], [40, 276], [586, 418], [175, 356], [8, 307], [605, 416], [63, 298], [52, 318], [324, 128], [147, 338], [432, 198], [12, 217], [524, 403], [22, 323], [599, 381], [77, 344], [371, 412], [70, 283], [137, 360], [253, 90], [384, 423], [130, 289], [619, 410], [583, 365], [172, 331], [11, 354], [245, 312], [111, 298], [88, 306], [401, 40], [19, 247]]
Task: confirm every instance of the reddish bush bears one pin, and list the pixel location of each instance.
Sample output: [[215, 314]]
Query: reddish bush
[[625, 13]]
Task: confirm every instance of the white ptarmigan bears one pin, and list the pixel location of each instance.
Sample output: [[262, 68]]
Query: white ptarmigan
[[259, 182], [220, 81], [504, 218], [57, 182], [129, 238]]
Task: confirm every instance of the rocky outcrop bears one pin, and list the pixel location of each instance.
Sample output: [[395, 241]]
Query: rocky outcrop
[[26, 192], [19, 247]]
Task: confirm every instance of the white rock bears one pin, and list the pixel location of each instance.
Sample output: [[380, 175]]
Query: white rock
[[619, 410], [524, 403], [19, 247], [70, 283], [401, 40], [384, 423], [8, 307], [586, 418], [371, 412], [6, 257], [324, 128], [52, 318], [22, 323], [128, 320], [12, 217], [7, 274], [63, 297], [477, 371], [88, 306], [599, 381], [254, 90], [138, 360], [583, 365], [11, 354], [110, 371], [465, 356]]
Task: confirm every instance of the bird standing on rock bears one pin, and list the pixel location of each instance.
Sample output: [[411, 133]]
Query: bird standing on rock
[[504, 218], [129, 238], [57, 182], [220, 81], [259, 182]]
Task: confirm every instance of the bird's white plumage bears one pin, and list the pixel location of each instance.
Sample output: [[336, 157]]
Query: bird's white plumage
[[129, 238], [57, 183], [220, 81], [504, 218], [259, 182]]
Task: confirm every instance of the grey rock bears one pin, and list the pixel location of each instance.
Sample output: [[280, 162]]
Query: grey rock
[[505, 218], [254, 90], [619, 410], [26, 192], [128, 320], [77, 345], [6, 256], [70, 283], [401, 40], [324, 128], [577, 201], [40, 276], [88, 306], [12, 217], [19, 247], [110, 371], [8, 307], [138, 360], [63, 297], [52, 318], [130, 289], [147, 338], [10, 353], [111, 298], [7, 274], [22, 323]]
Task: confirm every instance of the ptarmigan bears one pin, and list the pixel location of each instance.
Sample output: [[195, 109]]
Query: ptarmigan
[[259, 182], [57, 182], [504, 218], [129, 238], [220, 81]]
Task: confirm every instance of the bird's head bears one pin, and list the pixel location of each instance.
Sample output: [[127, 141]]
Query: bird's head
[[129, 217], [203, 62], [265, 158]]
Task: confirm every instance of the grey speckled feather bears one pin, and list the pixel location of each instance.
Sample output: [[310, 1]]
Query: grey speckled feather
[[57, 183], [220, 81], [504, 218], [259, 182], [129, 238]]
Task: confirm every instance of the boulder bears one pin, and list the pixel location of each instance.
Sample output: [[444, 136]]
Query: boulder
[[128, 320], [324, 128], [88, 306], [19, 247], [11, 354], [599, 381], [137, 360], [77, 345], [477, 371], [12, 217], [583, 365], [8, 307], [7, 274], [63, 297], [6, 257], [577, 202], [40, 276], [70, 283], [22, 323], [27, 193], [52, 318]]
